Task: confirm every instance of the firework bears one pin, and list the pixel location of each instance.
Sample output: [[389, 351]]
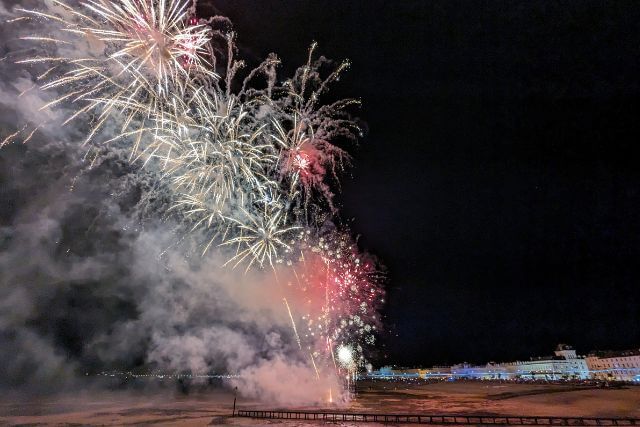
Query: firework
[[131, 58], [345, 356], [340, 295], [251, 169], [261, 238]]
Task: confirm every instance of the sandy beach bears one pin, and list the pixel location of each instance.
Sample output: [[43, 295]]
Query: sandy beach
[[214, 407]]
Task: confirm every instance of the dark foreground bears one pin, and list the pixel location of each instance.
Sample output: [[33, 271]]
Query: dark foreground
[[214, 407], [433, 419]]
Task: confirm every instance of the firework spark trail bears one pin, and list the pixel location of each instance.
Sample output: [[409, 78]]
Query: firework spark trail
[[293, 323], [315, 367], [251, 169]]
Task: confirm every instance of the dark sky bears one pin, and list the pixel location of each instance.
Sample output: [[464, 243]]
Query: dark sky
[[499, 180]]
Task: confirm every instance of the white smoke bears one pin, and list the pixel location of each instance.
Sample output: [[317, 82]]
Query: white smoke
[[93, 276]]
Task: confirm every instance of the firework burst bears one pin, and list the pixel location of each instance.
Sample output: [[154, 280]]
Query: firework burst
[[251, 169], [131, 58], [261, 239], [342, 294]]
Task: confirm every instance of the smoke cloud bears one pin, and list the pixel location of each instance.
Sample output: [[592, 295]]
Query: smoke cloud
[[94, 276]]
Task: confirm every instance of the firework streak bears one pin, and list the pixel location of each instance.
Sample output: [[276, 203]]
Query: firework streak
[[250, 162]]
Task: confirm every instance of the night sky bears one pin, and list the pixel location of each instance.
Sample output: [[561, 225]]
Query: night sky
[[498, 180]]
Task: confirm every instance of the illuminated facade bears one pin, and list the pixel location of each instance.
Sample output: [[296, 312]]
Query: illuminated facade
[[564, 365], [615, 366], [390, 372], [438, 372], [490, 371]]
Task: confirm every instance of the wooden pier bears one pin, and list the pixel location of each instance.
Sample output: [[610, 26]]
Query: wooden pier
[[441, 419]]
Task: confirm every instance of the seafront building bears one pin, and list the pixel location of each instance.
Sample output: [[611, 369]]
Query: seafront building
[[614, 366], [565, 364], [390, 372]]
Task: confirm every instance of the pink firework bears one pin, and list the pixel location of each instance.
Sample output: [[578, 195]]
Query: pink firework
[[339, 293], [305, 160]]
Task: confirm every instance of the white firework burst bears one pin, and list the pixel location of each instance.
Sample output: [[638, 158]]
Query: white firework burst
[[261, 239], [140, 60]]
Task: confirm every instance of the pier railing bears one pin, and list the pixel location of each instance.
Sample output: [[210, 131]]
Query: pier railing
[[443, 419]]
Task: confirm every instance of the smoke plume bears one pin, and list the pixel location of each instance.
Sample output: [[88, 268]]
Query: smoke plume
[[97, 275]]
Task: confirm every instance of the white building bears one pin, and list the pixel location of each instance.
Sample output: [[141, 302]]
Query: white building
[[437, 372], [490, 371], [615, 366], [391, 372], [564, 365]]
